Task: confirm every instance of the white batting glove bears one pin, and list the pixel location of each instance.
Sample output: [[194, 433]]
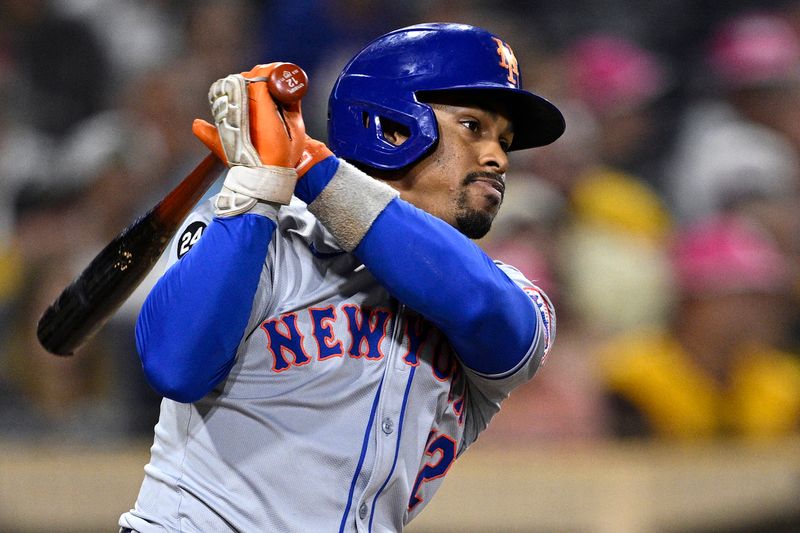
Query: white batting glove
[[248, 179]]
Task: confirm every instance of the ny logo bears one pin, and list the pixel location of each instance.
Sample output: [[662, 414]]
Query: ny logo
[[508, 61]]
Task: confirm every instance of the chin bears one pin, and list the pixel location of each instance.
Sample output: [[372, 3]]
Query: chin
[[475, 224], [475, 214]]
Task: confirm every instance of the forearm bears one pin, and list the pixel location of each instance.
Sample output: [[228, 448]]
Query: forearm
[[193, 320], [431, 267], [443, 275]]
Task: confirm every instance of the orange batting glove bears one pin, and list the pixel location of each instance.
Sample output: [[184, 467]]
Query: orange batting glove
[[314, 151], [276, 133], [258, 139]]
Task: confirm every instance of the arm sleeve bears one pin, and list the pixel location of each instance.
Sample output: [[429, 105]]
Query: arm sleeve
[[193, 320], [428, 265]]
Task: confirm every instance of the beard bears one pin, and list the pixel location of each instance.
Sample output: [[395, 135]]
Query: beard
[[473, 223]]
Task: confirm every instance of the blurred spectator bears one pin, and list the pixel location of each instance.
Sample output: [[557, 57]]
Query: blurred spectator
[[59, 68], [613, 257], [137, 35], [50, 395], [743, 142], [24, 156], [114, 158], [620, 84], [721, 367]]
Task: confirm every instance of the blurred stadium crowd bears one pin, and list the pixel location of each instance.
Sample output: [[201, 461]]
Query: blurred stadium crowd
[[664, 224]]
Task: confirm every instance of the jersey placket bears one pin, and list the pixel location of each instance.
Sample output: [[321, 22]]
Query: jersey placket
[[387, 425]]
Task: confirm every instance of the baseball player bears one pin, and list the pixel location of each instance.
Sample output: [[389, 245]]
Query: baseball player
[[328, 339]]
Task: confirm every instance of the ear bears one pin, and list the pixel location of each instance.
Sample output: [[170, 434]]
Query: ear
[[393, 132]]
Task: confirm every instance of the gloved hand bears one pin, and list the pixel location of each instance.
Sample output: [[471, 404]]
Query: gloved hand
[[258, 139], [316, 168], [314, 151]]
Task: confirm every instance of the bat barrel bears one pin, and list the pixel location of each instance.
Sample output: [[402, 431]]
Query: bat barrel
[[104, 285], [87, 303]]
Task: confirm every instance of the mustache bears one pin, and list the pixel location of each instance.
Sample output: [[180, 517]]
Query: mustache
[[499, 179]]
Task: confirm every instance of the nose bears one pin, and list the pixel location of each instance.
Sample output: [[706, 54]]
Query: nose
[[493, 158]]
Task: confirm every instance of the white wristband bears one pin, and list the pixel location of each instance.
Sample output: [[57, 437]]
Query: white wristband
[[268, 183]]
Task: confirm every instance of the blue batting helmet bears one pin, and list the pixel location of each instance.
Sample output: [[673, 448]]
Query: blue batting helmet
[[386, 79]]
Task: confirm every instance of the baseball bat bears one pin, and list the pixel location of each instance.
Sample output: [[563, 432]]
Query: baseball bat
[[114, 273], [87, 303]]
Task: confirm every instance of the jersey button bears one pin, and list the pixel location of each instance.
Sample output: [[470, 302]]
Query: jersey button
[[387, 426], [362, 511]]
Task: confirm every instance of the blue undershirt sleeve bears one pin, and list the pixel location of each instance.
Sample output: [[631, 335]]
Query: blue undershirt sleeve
[[194, 318], [431, 267]]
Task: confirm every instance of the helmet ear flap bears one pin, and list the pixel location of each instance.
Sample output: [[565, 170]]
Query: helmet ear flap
[[392, 132], [359, 133]]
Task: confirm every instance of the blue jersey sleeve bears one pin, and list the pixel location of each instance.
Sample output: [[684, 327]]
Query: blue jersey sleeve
[[193, 320], [435, 270]]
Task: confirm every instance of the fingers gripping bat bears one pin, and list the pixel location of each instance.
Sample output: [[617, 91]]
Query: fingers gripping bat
[[87, 303]]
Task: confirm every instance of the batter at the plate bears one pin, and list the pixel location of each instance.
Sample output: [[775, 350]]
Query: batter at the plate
[[328, 339]]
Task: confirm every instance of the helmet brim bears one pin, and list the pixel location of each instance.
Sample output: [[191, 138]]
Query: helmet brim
[[537, 122]]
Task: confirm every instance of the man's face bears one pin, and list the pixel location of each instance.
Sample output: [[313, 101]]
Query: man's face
[[463, 180]]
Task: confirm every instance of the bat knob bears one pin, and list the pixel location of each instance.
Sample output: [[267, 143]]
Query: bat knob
[[287, 83]]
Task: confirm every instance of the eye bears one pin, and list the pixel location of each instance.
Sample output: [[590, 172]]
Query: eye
[[505, 144], [471, 124]]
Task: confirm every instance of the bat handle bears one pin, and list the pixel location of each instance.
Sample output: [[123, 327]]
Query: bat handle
[[174, 207]]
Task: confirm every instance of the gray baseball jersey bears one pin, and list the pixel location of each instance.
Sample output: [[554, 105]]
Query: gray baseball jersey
[[343, 411]]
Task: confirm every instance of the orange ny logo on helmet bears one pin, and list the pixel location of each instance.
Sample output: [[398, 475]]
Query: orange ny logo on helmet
[[508, 61]]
